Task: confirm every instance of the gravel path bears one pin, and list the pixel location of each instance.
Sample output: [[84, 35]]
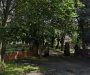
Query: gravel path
[[64, 65]]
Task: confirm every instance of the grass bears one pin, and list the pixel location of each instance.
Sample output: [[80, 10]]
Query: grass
[[19, 49], [18, 69], [59, 50]]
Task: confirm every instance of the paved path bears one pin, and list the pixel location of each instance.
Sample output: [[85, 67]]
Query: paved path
[[64, 65]]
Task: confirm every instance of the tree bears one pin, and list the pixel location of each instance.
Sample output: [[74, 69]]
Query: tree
[[7, 7], [0, 39], [83, 22], [30, 19], [35, 18], [64, 15]]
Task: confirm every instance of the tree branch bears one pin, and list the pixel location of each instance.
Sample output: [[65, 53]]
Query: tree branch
[[17, 5], [3, 4], [8, 3]]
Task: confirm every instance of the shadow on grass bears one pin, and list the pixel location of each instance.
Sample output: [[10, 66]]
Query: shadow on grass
[[33, 58], [17, 69]]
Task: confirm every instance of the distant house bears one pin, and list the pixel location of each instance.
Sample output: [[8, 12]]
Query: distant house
[[67, 39]]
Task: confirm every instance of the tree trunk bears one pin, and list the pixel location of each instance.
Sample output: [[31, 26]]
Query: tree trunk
[[37, 51], [83, 50], [52, 41], [0, 56], [40, 51], [0, 38], [83, 41], [8, 3], [22, 42], [36, 43], [62, 42], [2, 52], [43, 42], [2, 44], [57, 46]]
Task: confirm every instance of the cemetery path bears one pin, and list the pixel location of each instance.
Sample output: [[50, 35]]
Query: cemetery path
[[64, 65]]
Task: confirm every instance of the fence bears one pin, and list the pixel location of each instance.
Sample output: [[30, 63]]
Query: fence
[[17, 55], [86, 51]]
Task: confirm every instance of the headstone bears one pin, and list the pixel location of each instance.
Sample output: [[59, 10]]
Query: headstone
[[67, 51], [57, 46], [46, 49]]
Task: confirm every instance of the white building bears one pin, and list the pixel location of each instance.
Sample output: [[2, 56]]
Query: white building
[[67, 39]]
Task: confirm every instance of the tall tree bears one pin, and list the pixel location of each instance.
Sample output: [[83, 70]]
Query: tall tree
[[83, 22], [7, 7], [0, 39], [64, 15]]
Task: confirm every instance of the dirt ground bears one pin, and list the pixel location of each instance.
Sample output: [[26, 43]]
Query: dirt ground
[[64, 65]]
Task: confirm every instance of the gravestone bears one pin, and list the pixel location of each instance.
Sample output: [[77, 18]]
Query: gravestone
[[46, 49], [67, 51], [57, 46]]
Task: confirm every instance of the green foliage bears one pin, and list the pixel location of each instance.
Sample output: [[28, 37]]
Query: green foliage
[[74, 38], [29, 20], [84, 22], [9, 33], [49, 33]]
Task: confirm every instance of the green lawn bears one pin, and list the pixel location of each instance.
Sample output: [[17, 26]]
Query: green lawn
[[19, 49], [59, 50]]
